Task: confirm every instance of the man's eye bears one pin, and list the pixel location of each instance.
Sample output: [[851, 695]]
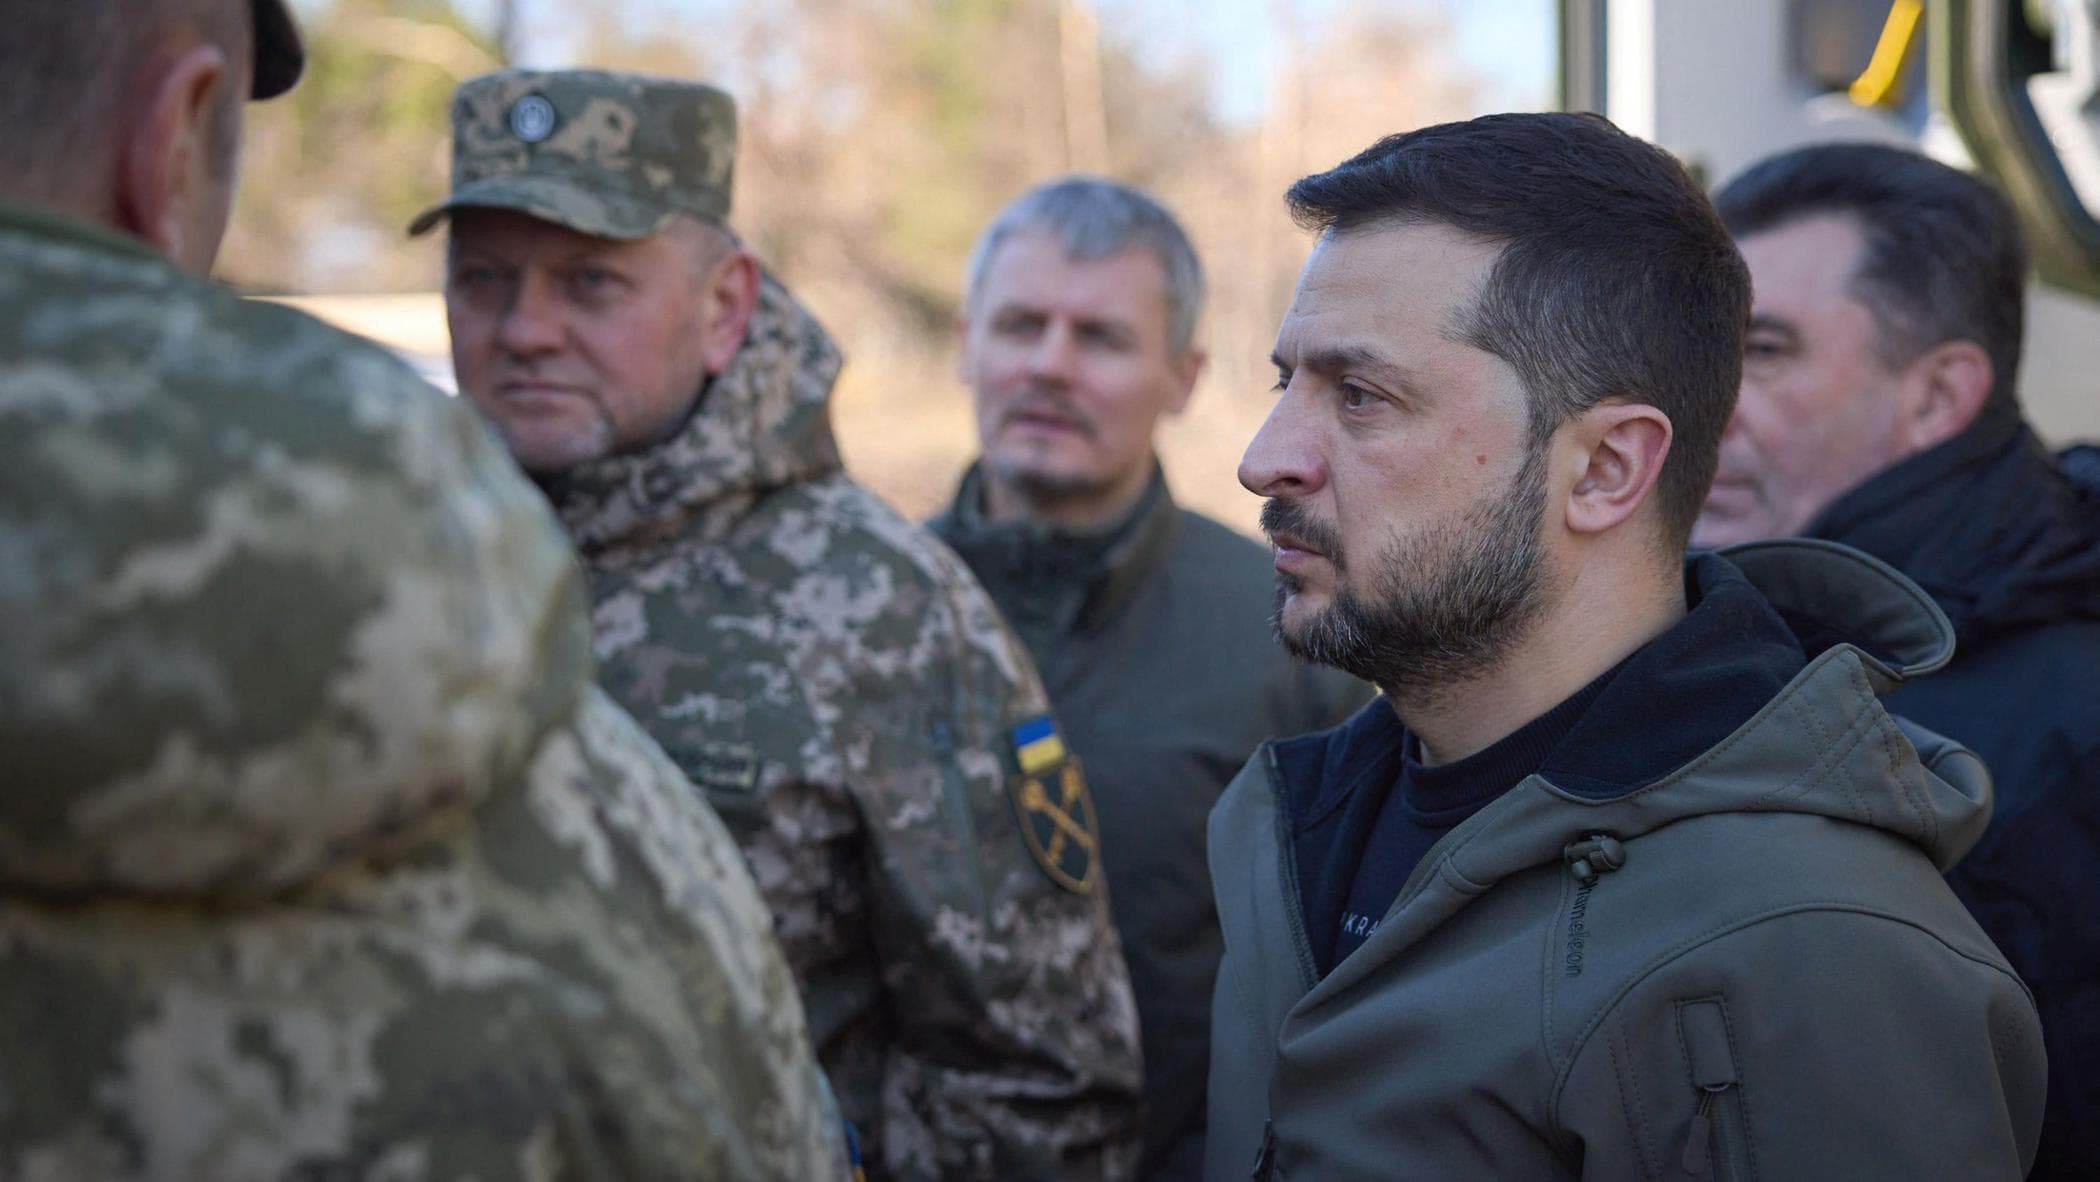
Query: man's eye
[[1355, 397]]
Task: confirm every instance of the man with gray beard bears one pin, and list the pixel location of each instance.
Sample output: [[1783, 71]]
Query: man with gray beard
[[1626, 874]]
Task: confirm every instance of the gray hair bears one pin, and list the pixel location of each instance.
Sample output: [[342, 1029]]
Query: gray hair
[[1095, 218]]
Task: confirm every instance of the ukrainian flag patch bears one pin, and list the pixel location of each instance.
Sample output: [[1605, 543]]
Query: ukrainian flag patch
[[1052, 805], [1037, 745]]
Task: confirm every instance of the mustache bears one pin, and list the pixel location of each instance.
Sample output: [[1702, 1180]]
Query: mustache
[[1043, 400], [1292, 520], [507, 372]]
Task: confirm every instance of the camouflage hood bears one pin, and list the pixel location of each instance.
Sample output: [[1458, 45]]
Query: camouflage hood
[[762, 423], [267, 609]]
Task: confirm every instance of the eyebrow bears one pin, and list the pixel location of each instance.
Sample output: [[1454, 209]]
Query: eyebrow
[[1336, 358], [1766, 322]]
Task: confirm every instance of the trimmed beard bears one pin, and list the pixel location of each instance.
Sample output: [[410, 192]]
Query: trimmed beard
[[1044, 488], [1438, 608]]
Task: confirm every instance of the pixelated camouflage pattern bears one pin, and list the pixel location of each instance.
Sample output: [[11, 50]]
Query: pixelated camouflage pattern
[[843, 691], [616, 155], [320, 856]]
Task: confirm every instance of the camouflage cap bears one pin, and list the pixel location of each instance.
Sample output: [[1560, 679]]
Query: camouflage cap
[[279, 56], [616, 155]]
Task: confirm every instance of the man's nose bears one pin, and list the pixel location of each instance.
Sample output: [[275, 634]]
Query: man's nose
[[1734, 426], [532, 322], [1285, 458], [1050, 360]]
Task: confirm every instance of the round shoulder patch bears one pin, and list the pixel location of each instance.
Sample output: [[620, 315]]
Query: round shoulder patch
[[532, 118], [1058, 824]]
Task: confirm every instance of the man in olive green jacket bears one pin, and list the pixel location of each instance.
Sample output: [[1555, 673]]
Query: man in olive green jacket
[[1628, 874], [1751, 969], [1148, 622]]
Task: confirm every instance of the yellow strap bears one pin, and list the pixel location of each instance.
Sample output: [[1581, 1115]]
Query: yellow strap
[[1880, 84]]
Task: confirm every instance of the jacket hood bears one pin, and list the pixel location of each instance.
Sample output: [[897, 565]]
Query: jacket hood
[[764, 422], [272, 603], [1822, 745], [1988, 523], [1763, 698]]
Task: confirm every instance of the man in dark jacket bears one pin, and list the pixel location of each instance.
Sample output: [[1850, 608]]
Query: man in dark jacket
[[1877, 409], [1627, 874], [1146, 620]]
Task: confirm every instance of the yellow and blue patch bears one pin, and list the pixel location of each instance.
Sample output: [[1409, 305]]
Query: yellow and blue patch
[[1056, 813], [1037, 744]]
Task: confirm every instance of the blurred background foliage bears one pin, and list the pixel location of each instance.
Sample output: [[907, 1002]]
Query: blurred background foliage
[[878, 136]]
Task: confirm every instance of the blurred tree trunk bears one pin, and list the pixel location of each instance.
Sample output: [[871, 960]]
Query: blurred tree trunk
[[1079, 59], [508, 31]]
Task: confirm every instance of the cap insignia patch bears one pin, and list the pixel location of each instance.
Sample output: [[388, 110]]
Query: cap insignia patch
[[532, 118]]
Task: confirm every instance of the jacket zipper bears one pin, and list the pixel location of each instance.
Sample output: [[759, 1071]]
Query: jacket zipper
[[1293, 906], [1265, 1161], [1301, 943], [1713, 1142]]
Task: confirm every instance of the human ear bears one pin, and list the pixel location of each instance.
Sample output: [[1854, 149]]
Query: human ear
[[729, 298], [1620, 448], [166, 158], [962, 347], [1949, 385], [1187, 368]]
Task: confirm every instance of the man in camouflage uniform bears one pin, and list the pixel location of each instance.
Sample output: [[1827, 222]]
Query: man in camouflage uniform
[[829, 675], [320, 856]]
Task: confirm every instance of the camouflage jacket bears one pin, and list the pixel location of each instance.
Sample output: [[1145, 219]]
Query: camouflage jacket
[[847, 696], [320, 856]]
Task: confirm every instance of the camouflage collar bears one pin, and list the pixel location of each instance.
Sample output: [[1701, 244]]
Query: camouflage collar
[[45, 223], [762, 423]]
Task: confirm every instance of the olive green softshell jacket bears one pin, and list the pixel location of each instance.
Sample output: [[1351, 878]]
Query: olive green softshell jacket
[[1774, 984]]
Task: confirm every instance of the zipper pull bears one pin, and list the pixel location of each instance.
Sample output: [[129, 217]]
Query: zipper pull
[[1265, 1161], [1699, 1139], [1704, 1026], [1599, 853]]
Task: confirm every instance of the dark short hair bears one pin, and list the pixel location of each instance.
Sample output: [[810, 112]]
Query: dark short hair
[[69, 68], [1943, 257], [1615, 279]]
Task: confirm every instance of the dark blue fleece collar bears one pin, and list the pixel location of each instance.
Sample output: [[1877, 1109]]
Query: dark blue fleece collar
[[1683, 692], [1673, 700]]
